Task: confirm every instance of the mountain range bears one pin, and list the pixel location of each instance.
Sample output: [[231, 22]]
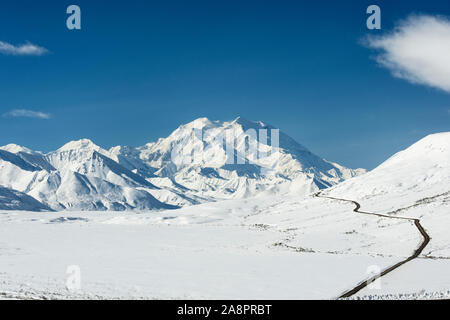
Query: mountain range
[[196, 163]]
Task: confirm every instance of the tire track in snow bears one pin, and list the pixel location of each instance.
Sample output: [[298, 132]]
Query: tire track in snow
[[417, 252]]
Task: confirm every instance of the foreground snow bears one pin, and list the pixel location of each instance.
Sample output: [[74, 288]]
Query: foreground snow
[[279, 248]]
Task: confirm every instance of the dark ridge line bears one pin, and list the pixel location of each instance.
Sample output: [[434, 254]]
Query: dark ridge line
[[417, 252]]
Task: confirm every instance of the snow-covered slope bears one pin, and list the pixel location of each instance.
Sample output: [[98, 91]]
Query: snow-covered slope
[[414, 183], [85, 157], [15, 200], [91, 182], [418, 172]]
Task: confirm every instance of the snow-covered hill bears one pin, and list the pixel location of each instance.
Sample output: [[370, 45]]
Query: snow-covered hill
[[416, 173], [199, 162], [413, 183]]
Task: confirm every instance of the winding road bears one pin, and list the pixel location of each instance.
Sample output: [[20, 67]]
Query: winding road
[[417, 252]]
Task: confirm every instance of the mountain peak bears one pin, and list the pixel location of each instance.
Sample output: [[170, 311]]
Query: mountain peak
[[241, 119], [436, 139], [432, 148], [248, 124], [79, 144], [199, 123], [205, 123], [14, 148]]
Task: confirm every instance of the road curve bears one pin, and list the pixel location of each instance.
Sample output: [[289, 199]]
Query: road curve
[[417, 252]]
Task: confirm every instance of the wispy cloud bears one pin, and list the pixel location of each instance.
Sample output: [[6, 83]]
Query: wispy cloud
[[26, 49], [417, 50], [16, 113]]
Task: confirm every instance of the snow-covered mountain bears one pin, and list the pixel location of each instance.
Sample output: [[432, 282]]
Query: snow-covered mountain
[[416, 173], [201, 161], [81, 179], [86, 158], [198, 160]]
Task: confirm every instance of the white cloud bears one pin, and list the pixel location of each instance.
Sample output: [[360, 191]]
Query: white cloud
[[27, 114], [27, 49], [417, 50]]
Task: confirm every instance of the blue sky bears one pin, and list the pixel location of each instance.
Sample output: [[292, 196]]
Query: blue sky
[[139, 69]]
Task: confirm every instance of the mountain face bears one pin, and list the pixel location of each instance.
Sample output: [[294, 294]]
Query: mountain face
[[88, 159], [201, 161], [75, 179]]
